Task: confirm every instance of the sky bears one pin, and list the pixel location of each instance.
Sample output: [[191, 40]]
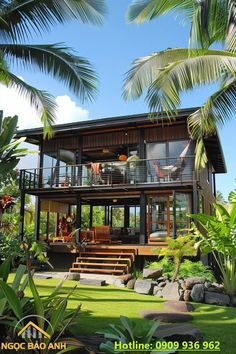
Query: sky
[[111, 48]]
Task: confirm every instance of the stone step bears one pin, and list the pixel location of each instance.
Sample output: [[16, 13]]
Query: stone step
[[96, 270]]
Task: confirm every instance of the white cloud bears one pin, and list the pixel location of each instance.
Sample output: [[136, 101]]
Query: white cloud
[[14, 104]]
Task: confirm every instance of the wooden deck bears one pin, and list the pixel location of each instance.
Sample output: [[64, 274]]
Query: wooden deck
[[139, 250]]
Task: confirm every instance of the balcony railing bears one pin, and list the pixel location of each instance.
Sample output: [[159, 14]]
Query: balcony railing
[[168, 170]]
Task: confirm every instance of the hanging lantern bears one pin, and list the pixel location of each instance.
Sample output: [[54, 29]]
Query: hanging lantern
[[122, 157]]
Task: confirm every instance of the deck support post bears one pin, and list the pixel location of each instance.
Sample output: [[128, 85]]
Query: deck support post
[[90, 215], [78, 211], [195, 198], [126, 215], [22, 215], [142, 235]]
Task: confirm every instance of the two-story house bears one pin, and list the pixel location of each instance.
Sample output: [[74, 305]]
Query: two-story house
[[126, 184]]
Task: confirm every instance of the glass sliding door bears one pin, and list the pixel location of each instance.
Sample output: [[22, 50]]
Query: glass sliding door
[[183, 207], [160, 217], [168, 215]]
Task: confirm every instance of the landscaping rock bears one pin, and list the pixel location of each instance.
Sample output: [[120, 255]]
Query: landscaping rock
[[233, 300], [190, 282], [157, 290], [179, 332], [92, 282], [119, 283], [152, 273], [126, 277], [169, 317], [178, 306], [143, 286], [73, 276], [197, 292], [164, 278], [159, 293], [162, 284], [131, 283], [171, 291], [216, 288], [181, 295], [216, 298], [187, 295]]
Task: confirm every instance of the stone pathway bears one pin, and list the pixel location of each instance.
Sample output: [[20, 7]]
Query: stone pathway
[[167, 317]]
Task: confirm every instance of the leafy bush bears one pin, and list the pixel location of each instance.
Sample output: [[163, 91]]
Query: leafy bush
[[14, 306], [187, 268], [128, 331]]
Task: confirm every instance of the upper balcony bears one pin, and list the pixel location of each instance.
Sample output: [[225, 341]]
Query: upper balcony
[[105, 174]]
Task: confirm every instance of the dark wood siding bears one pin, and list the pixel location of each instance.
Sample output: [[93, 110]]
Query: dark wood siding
[[175, 132], [111, 139]]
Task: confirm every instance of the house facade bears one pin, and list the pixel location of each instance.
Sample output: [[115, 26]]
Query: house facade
[[124, 182]]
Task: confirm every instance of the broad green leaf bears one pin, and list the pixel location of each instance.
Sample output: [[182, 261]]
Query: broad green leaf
[[18, 277], [38, 303], [5, 269], [12, 299]]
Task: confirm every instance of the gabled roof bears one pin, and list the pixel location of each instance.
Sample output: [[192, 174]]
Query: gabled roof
[[212, 143]]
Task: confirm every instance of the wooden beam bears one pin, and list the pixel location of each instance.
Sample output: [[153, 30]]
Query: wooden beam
[[142, 236], [22, 214]]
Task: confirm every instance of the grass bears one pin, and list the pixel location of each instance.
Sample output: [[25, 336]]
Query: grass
[[103, 305]]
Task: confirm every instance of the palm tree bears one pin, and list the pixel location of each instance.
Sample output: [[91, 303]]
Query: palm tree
[[165, 75], [18, 20]]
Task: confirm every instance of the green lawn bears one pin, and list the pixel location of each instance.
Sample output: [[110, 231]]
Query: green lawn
[[104, 305]]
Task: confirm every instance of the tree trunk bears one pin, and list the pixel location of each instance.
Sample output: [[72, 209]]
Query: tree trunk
[[176, 272]]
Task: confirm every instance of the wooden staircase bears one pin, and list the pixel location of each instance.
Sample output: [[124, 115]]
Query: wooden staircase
[[105, 261]]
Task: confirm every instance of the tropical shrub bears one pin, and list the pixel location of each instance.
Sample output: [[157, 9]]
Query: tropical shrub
[[187, 269], [177, 249], [128, 331], [14, 306], [219, 238]]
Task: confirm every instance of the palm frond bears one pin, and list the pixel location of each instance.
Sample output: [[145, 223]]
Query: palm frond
[[41, 100], [209, 23], [19, 18], [217, 110], [58, 61], [231, 27], [144, 10], [144, 70], [179, 76]]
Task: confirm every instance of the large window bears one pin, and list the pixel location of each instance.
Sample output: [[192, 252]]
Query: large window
[[168, 215], [49, 164]]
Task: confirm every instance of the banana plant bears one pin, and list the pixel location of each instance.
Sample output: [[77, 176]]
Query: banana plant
[[10, 152], [219, 238]]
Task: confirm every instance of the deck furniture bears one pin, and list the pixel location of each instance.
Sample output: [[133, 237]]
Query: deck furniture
[[102, 234]]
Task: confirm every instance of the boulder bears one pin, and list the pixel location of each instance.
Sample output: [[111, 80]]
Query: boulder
[[169, 317], [130, 284], [190, 282], [233, 300], [217, 288], [120, 283], [179, 332], [126, 277], [157, 290], [92, 282], [164, 278], [152, 273], [171, 291], [162, 284], [143, 286], [73, 276], [197, 292], [214, 298], [178, 306], [187, 295]]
